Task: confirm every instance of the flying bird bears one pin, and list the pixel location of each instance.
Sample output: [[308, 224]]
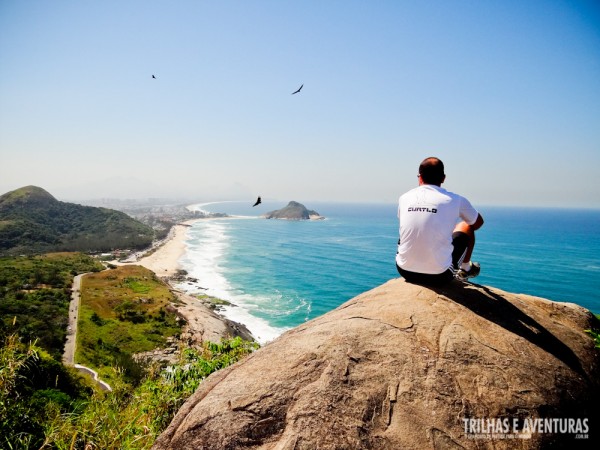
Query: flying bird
[[299, 89], [153, 77], [258, 202]]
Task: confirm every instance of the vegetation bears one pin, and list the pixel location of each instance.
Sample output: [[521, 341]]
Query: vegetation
[[212, 302], [34, 388], [595, 334], [123, 311], [44, 404], [33, 221], [36, 412], [35, 295]]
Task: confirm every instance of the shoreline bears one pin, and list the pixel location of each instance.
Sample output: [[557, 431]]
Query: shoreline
[[203, 323], [164, 261]]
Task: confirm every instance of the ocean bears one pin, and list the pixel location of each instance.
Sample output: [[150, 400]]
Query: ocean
[[278, 274]]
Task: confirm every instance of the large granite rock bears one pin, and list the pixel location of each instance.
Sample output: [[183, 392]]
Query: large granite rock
[[293, 211], [401, 367]]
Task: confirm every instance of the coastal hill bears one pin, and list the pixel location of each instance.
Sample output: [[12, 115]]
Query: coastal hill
[[33, 221], [293, 211], [402, 367]]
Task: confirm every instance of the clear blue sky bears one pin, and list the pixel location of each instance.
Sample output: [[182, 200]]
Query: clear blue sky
[[506, 92]]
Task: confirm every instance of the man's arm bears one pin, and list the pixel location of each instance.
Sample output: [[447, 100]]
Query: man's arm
[[478, 222]]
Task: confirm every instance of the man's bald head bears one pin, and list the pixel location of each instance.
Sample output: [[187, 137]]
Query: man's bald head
[[431, 171]]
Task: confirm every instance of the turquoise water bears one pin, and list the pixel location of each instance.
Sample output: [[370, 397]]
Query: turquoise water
[[282, 273]]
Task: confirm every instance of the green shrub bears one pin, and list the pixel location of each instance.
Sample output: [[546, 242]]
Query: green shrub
[[596, 336], [34, 390]]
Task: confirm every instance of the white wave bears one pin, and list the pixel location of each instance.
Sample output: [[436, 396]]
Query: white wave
[[308, 311], [260, 328], [207, 245]]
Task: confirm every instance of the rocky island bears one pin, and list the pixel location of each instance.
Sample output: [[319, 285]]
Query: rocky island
[[294, 211]]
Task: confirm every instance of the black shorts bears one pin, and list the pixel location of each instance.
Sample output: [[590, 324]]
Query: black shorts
[[460, 242]]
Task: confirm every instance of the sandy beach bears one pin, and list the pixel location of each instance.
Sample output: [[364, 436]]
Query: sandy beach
[[164, 260]]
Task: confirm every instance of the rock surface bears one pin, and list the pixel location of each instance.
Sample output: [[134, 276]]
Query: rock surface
[[204, 324], [400, 367], [293, 211]]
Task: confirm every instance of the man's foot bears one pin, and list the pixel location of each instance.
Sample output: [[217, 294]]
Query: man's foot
[[462, 274]]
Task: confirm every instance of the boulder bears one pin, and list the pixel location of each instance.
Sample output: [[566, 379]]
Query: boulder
[[406, 367]]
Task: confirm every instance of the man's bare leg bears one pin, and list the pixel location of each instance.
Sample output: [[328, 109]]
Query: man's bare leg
[[469, 230]]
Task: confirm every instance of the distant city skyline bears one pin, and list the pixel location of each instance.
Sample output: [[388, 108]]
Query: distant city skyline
[[192, 99]]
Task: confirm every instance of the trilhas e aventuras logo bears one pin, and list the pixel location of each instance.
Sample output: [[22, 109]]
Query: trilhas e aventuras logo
[[515, 428]]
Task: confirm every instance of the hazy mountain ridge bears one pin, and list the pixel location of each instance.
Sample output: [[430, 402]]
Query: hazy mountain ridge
[[32, 220]]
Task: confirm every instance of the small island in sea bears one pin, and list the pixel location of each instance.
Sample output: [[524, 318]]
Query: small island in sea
[[294, 211]]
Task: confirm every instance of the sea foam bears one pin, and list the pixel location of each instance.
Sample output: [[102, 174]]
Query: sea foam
[[206, 247]]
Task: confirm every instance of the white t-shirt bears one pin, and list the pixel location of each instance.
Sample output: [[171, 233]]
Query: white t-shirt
[[428, 215]]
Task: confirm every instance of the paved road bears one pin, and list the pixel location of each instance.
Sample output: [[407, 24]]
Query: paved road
[[69, 354], [103, 385]]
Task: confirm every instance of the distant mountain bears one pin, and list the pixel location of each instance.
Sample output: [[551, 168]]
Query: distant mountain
[[33, 221], [293, 211]]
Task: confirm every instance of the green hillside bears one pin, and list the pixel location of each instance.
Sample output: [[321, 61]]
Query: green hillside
[[35, 295], [33, 221]]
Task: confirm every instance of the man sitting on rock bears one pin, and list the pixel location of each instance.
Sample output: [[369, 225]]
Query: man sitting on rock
[[434, 247]]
